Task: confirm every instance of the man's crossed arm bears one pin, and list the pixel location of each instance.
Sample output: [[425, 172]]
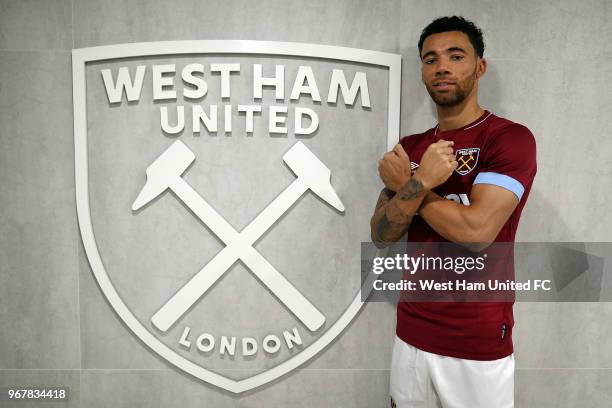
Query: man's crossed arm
[[474, 226]]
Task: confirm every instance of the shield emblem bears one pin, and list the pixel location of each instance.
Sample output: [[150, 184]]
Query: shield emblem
[[467, 159], [217, 218]]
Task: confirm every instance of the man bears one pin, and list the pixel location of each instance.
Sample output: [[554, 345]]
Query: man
[[455, 354]]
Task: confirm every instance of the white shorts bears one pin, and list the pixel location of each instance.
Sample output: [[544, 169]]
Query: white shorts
[[426, 380]]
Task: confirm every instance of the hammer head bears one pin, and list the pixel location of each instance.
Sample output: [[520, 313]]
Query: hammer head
[[163, 172], [313, 173]]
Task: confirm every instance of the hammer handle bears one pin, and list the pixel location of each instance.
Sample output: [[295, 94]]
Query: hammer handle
[[207, 214], [276, 209], [239, 245], [189, 294]]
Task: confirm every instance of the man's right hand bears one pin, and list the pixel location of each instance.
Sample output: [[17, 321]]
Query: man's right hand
[[437, 164]]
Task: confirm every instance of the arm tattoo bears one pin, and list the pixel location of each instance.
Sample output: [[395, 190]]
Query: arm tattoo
[[410, 190], [386, 229], [383, 227], [389, 230], [385, 196]]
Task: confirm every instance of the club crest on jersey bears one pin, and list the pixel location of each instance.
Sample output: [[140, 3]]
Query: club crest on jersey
[[467, 159]]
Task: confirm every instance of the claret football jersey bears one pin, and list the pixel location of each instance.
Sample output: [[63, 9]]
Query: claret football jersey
[[490, 150]]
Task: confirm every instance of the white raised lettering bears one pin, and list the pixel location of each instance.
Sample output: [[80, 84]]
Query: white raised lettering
[[205, 338], [305, 84], [249, 346], [292, 338], [114, 90], [271, 344], [277, 81], [249, 109], [180, 120], [338, 82], [161, 81], [199, 116], [276, 120], [227, 346], [300, 113], [183, 341], [225, 70], [199, 83]]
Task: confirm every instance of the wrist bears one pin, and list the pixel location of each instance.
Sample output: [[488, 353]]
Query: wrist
[[388, 192], [413, 189], [423, 180]]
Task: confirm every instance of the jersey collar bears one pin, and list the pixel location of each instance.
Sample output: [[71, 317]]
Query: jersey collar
[[486, 114]]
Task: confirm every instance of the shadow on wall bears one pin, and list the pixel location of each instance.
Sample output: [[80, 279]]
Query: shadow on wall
[[417, 111], [541, 220], [490, 94]]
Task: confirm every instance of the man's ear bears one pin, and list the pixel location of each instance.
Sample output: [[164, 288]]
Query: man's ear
[[481, 67]]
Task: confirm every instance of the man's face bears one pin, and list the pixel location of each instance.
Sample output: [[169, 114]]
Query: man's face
[[450, 67]]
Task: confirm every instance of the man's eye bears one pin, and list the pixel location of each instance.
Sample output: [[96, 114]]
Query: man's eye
[[429, 61], [456, 57]]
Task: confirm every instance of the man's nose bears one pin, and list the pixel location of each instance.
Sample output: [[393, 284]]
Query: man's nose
[[442, 67]]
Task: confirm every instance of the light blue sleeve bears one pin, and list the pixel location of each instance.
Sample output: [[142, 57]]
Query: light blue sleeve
[[501, 180]]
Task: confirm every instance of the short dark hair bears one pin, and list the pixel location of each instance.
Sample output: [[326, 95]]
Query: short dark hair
[[455, 23]]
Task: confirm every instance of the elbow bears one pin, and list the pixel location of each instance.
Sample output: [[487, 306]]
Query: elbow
[[379, 243], [477, 238]]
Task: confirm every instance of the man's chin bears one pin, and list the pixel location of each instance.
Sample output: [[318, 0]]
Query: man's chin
[[445, 98], [447, 102]]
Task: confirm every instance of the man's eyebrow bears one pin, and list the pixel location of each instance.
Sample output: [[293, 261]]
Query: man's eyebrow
[[448, 50], [454, 49]]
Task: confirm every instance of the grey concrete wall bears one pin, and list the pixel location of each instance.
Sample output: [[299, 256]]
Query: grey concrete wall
[[549, 68]]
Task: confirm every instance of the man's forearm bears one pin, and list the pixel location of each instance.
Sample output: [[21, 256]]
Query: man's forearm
[[446, 217], [464, 225], [394, 213]]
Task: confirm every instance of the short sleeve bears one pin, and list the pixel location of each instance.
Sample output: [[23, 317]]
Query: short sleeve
[[509, 159]]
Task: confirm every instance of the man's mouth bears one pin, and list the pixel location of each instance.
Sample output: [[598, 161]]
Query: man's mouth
[[443, 85]]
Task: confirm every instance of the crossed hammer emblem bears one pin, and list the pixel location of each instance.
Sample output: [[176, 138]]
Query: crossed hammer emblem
[[465, 163], [166, 173]]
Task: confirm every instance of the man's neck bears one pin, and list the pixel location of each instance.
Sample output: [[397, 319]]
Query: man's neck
[[454, 117]]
